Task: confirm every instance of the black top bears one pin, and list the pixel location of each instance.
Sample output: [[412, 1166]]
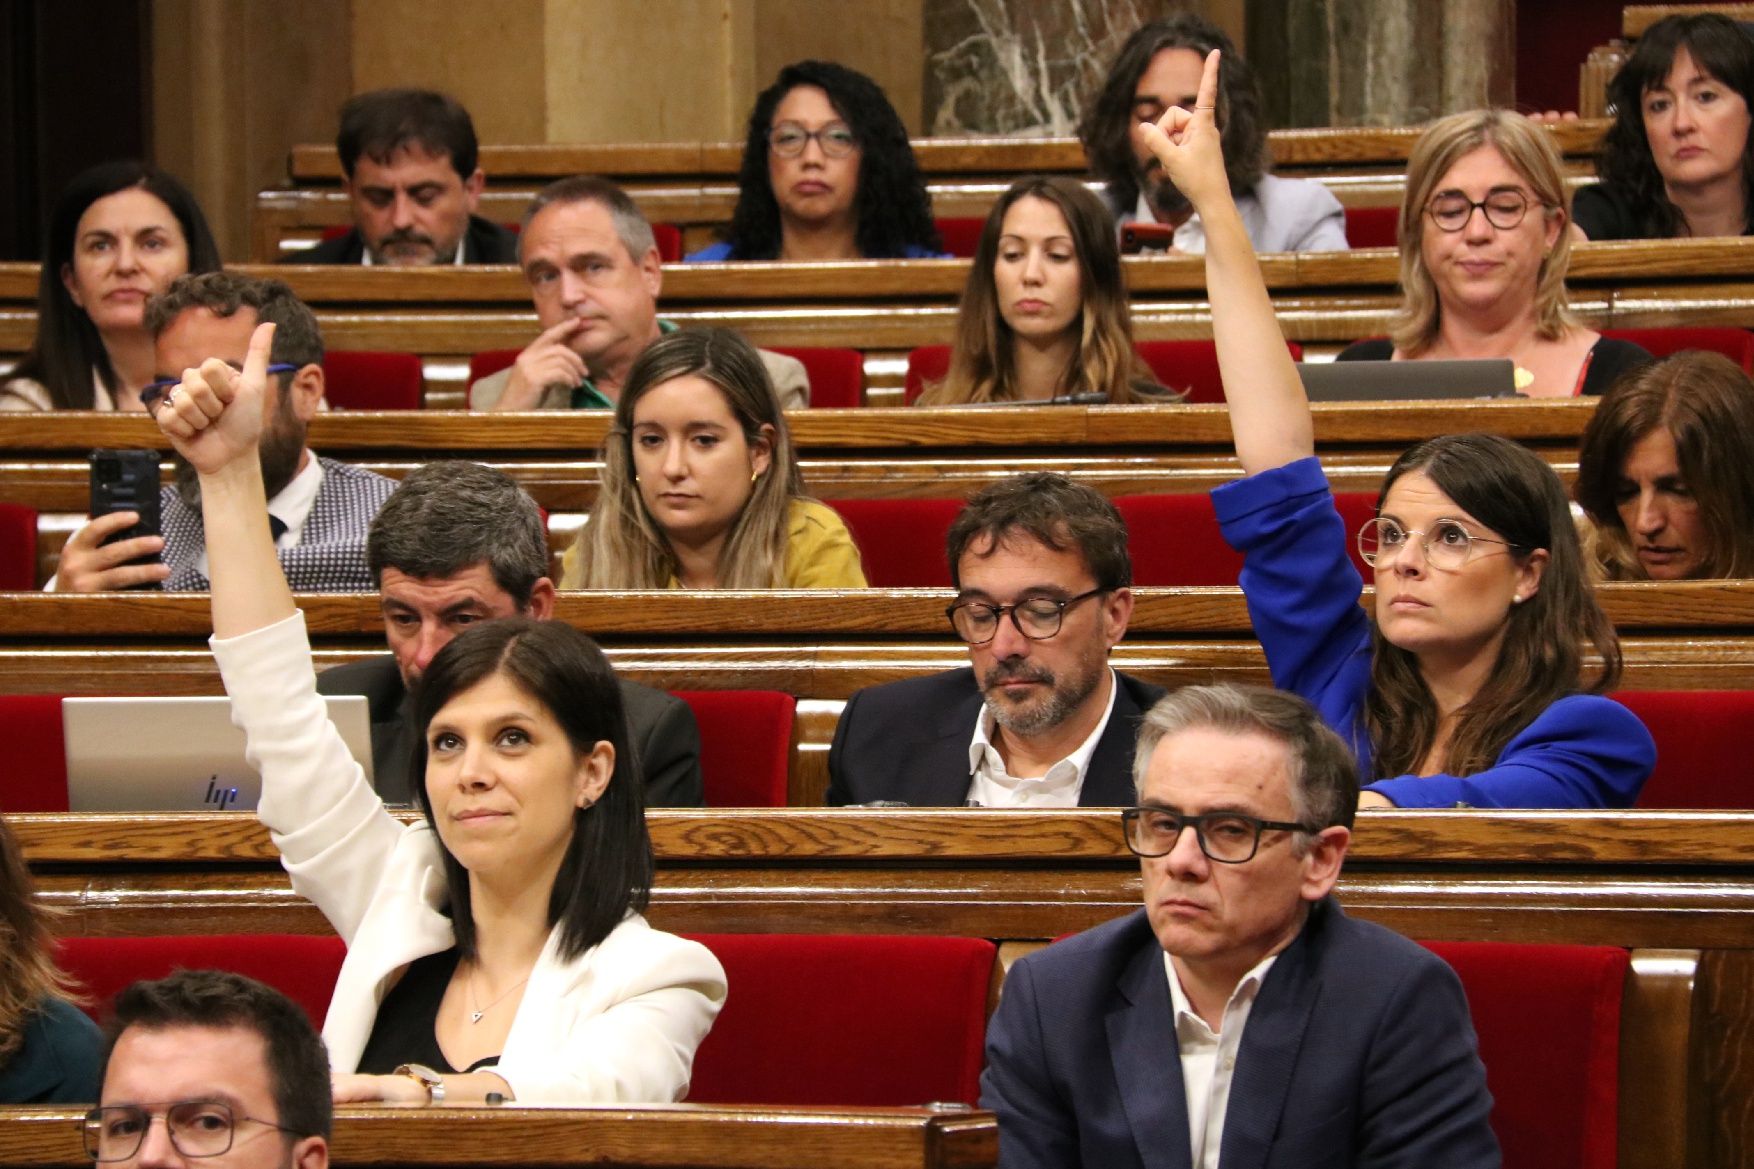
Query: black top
[[404, 1031], [1609, 358], [486, 242], [1602, 211]]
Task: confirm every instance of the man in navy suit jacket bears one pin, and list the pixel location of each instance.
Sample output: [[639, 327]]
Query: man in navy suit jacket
[[1240, 1019]]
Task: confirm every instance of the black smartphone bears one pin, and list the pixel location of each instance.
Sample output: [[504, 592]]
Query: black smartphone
[[127, 481]]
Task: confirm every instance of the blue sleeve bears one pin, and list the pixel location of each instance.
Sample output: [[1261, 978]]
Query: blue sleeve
[[1584, 751], [1302, 590], [916, 252], [1036, 1126], [712, 253]]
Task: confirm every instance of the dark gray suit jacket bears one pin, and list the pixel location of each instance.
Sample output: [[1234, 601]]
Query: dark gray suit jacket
[[908, 741], [660, 727], [1358, 1052]]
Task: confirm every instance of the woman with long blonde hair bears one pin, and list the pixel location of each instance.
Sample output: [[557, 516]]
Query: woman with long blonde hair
[[700, 488]]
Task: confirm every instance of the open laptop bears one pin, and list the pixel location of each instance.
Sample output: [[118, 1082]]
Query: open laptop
[[1388, 381], [176, 754]]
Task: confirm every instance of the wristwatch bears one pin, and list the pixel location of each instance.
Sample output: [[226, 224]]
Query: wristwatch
[[431, 1080]]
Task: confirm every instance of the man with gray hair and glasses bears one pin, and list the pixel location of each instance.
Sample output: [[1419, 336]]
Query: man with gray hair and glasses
[[1241, 1017], [594, 273], [460, 543]]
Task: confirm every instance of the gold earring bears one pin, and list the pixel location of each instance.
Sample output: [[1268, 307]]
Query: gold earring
[[754, 475]]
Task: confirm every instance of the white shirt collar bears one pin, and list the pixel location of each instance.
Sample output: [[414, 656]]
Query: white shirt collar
[[1246, 990], [292, 506], [991, 786]]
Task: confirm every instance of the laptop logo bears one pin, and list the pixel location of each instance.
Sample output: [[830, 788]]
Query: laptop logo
[[219, 796]]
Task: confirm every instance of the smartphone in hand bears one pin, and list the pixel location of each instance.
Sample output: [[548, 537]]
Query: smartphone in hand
[[127, 481]]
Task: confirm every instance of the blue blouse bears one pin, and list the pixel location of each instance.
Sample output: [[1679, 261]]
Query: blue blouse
[[60, 1060], [1583, 751]]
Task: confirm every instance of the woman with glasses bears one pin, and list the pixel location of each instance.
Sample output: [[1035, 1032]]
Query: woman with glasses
[[1044, 312], [700, 489], [496, 945], [50, 1052], [827, 174], [120, 233], [1464, 683], [1484, 250]]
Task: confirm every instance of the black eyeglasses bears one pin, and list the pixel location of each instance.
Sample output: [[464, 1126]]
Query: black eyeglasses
[[1037, 618], [1503, 209], [153, 391], [788, 139], [1230, 838], [198, 1128]]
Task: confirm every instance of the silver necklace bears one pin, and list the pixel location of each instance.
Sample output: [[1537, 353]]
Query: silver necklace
[[475, 1015]]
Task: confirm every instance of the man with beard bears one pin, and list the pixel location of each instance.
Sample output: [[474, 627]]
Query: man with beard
[[413, 179], [1159, 67], [1040, 719], [319, 509]]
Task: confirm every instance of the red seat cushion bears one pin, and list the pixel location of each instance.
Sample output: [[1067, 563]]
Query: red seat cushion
[[846, 1020], [18, 548], [1548, 1018], [489, 362], [668, 237], [1703, 759], [36, 761], [1372, 227], [901, 541], [837, 376], [1735, 344], [961, 234], [1175, 539], [1190, 366], [301, 966], [745, 745], [364, 380]]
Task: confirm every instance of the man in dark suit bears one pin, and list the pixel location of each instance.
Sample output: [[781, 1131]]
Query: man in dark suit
[[460, 543], [410, 161], [1241, 1018], [1040, 719]]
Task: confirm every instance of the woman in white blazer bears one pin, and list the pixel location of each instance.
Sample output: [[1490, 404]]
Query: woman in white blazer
[[496, 948]]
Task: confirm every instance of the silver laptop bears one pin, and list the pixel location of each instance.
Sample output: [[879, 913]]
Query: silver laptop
[[176, 754], [1387, 381]]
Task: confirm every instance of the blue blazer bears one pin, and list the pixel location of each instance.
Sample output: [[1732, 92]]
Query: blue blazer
[[1358, 1052]]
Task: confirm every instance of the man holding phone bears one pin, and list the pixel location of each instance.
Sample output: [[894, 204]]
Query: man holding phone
[[320, 509]]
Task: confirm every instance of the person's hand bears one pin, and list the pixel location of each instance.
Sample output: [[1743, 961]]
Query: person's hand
[[214, 417], [1188, 145], [1552, 117], [1367, 800], [401, 1091], [88, 565], [546, 363]]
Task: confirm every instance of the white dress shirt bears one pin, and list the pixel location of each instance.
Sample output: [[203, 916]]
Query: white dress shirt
[[1209, 1057], [292, 507], [991, 786]]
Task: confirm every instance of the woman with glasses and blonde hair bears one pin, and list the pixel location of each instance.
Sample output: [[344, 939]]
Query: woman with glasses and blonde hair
[[1044, 312], [1484, 251], [828, 174], [700, 488], [1464, 684]]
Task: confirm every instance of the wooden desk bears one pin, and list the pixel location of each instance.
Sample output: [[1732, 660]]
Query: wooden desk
[[679, 1136]]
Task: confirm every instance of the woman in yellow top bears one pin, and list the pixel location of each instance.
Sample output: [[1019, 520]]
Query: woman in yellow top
[[700, 489]]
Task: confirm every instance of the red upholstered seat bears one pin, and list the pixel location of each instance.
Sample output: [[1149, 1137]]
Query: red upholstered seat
[[901, 541], [301, 966], [364, 380], [36, 760], [837, 376], [961, 234], [1735, 344], [18, 548], [1175, 541], [1190, 366], [1703, 757], [489, 362], [668, 237], [1548, 1018], [846, 1020], [1372, 227], [745, 745]]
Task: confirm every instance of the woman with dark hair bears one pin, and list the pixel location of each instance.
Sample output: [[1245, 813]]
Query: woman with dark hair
[[700, 487], [496, 946], [1044, 312], [50, 1053], [1666, 471], [828, 174], [1463, 684], [120, 233], [1675, 160]]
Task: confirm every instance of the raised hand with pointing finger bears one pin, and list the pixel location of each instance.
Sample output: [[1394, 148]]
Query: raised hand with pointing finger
[[1188, 145]]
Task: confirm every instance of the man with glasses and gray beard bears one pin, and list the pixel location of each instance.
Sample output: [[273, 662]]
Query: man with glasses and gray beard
[[1039, 719], [319, 508], [212, 1068]]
